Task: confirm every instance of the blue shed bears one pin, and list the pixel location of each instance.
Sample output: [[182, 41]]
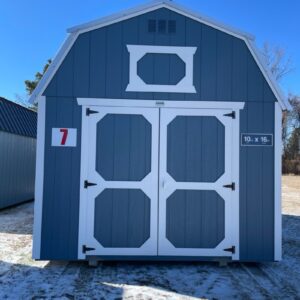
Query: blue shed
[[17, 153], [159, 138]]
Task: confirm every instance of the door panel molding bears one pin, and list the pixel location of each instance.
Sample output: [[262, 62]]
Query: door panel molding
[[147, 185], [168, 185]]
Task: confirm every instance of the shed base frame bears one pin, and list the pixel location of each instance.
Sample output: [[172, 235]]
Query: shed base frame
[[97, 258]]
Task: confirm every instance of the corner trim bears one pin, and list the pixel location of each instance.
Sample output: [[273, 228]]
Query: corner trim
[[277, 183], [39, 178]]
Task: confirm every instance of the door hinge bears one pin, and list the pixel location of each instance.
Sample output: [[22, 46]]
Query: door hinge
[[85, 249], [90, 111], [230, 186], [87, 184], [231, 249], [232, 115]]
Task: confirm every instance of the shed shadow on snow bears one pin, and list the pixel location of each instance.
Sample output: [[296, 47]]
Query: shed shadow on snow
[[17, 219]]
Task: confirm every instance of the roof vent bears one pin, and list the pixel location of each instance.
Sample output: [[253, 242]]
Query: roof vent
[[151, 26], [162, 26], [172, 26]]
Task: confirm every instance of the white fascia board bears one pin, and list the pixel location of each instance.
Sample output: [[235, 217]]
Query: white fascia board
[[57, 61]]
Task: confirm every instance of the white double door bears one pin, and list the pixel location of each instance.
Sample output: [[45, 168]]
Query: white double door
[[157, 181]]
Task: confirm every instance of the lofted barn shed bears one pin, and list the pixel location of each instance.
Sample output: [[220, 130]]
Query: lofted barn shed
[[159, 138]]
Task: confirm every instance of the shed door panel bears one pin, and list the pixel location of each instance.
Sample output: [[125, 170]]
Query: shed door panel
[[122, 162], [195, 163]]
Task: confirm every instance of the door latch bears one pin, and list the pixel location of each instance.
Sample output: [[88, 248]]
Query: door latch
[[87, 184], [231, 249], [232, 115], [90, 111], [85, 249], [230, 186]]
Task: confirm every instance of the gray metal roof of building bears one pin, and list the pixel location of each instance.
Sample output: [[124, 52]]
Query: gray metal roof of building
[[17, 119]]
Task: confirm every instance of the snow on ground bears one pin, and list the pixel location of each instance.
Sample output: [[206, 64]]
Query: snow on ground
[[23, 278]]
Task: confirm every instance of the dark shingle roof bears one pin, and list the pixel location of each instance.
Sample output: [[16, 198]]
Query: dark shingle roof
[[17, 119]]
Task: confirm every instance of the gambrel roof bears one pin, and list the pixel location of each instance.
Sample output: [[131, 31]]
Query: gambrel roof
[[154, 5]]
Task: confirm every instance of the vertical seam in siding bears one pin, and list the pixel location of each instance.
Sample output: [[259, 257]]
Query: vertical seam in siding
[[231, 69], [185, 35], [90, 55], [105, 55], [122, 60], [200, 66], [217, 66]]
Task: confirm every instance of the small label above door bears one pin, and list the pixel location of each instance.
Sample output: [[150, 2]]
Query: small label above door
[[64, 137], [256, 139]]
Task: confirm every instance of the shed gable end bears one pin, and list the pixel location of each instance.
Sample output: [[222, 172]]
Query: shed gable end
[[97, 64]]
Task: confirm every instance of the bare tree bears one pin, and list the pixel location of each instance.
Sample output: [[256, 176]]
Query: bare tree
[[277, 61], [280, 65]]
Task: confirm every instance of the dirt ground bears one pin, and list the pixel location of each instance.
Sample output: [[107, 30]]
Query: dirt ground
[[23, 278]]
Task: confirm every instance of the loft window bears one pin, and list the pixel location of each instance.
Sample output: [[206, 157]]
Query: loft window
[[151, 26]]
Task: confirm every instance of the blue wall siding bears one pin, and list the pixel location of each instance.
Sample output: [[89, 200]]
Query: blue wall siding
[[257, 186], [224, 70], [61, 183]]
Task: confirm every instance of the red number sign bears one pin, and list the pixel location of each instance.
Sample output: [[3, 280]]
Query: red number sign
[[64, 135]]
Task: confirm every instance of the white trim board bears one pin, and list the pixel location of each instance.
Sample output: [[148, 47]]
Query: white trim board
[[39, 179], [185, 85], [160, 103], [277, 183], [75, 31]]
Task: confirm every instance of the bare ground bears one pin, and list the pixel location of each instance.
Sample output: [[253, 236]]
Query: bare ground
[[23, 278]]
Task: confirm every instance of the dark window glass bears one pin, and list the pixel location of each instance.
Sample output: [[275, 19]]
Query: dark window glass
[[162, 26], [151, 25], [172, 26]]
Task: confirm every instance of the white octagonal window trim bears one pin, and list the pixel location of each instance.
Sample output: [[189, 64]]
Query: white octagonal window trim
[[136, 84]]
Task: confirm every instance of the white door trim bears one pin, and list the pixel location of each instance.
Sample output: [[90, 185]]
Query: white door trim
[[88, 172], [235, 106], [160, 103]]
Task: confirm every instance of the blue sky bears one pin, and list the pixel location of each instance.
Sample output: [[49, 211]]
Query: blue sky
[[32, 31]]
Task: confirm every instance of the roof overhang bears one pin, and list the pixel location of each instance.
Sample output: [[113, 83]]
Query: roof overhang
[[142, 9]]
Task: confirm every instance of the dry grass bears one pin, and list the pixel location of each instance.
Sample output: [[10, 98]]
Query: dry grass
[[291, 195]]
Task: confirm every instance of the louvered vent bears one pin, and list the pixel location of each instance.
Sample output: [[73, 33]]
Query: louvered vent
[[162, 26], [151, 26], [172, 26]]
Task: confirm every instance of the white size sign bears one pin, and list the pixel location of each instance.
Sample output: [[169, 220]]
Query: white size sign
[[64, 137]]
